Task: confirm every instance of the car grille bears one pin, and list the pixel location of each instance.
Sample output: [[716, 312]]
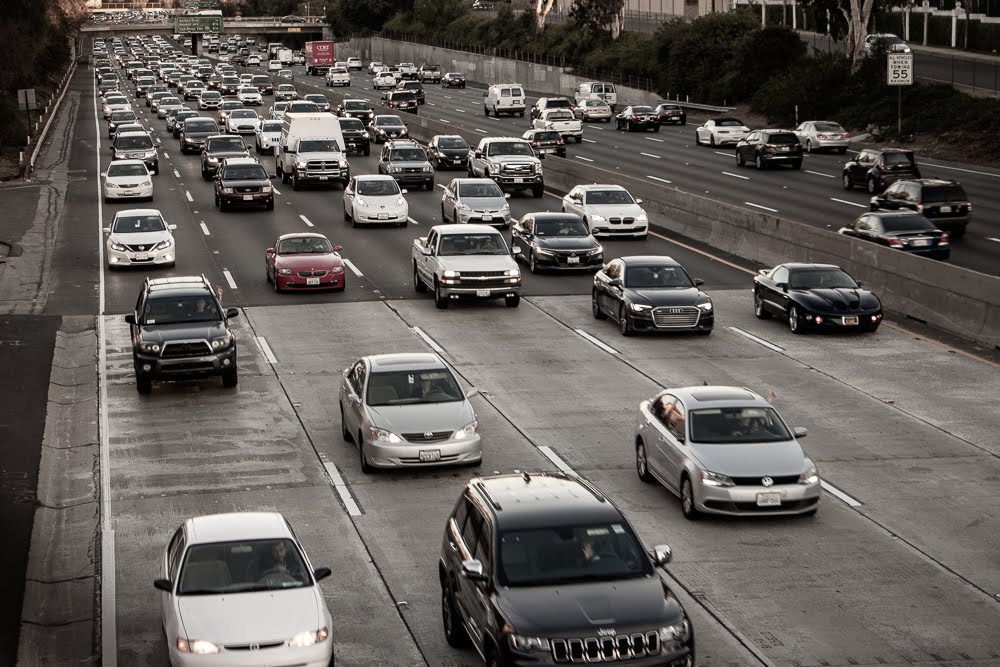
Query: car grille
[[483, 279], [187, 349], [145, 247], [252, 647], [320, 165], [428, 436], [516, 169], [676, 316], [311, 274], [129, 185], [756, 481], [605, 649], [621, 221], [412, 170], [248, 189]]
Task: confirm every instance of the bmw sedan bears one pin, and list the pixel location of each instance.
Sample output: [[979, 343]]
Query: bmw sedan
[[815, 296], [651, 293], [304, 261], [555, 241], [407, 411], [724, 450]]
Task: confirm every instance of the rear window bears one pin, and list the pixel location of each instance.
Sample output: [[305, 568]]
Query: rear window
[[897, 159], [782, 139], [547, 136], [906, 223], [943, 193]]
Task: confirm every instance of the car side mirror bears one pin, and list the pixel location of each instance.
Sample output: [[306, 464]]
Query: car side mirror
[[479, 154], [800, 432], [638, 201], [506, 195], [164, 585], [338, 248], [404, 191], [130, 319], [427, 251], [321, 573], [615, 282], [472, 569], [698, 282], [472, 391], [662, 554], [231, 313], [107, 230], [171, 227], [782, 286], [860, 283], [269, 251]]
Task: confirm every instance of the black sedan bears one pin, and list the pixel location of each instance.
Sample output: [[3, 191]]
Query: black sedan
[[671, 113], [815, 296], [360, 109], [903, 230], [637, 118], [651, 293], [448, 151], [557, 241], [453, 80]]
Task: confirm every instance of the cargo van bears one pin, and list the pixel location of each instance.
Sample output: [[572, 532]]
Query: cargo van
[[599, 90], [311, 150], [504, 98]]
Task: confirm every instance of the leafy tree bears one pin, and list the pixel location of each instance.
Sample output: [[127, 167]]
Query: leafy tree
[[857, 15], [599, 15], [347, 17], [542, 9]]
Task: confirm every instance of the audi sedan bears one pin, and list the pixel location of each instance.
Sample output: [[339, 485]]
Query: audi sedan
[[651, 293], [720, 131], [555, 241], [304, 261], [724, 450], [407, 411]]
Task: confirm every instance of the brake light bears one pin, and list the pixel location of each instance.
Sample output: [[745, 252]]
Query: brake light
[[535, 143], [944, 240], [895, 243], [560, 141], [846, 135], [969, 207], [821, 136], [920, 208], [636, 116]]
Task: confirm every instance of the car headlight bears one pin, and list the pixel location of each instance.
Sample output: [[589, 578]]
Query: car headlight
[[309, 637], [146, 184], [707, 306], [112, 186], [266, 189], [639, 307], [115, 245], [337, 269], [149, 154], [285, 272], [404, 132], [715, 479], [810, 476], [541, 251], [227, 191], [451, 274], [222, 341], [464, 207], [383, 435], [300, 165], [513, 273], [400, 202], [213, 160], [597, 218], [678, 632], [468, 430], [427, 169], [149, 348], [395, 170], [196, 646], [522, 643], [505, 208], [596, 251], [164, 244]]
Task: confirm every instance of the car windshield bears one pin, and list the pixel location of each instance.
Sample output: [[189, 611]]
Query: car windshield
[[453, 142], [226, 144], [356, 105], [595, 103], [645, 277], [318, 146], [828, 127], [410, 154], [906, 223], [200, 126], [433, 385], [260, 78], [484, 189], [509, 148], [389, 121], [454, 75], [570, 554], [244, 172], [230, 80], [318, 99], [352, 124], [305, 245], [271, 126], [211, 95], [170, 101], [606, 197], [820, 279], [380, 187], [138, 224], [740, 425], [230, 105], [561, 227], [244, 566], [119, 169], [286, 87], [472, 244], [170, 309], [944, 193], [134, 143], [243, 113]]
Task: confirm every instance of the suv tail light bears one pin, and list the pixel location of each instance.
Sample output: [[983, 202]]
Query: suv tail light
[[944, 240], [846, 135], [920, 208], [895, 243], [560, 141]]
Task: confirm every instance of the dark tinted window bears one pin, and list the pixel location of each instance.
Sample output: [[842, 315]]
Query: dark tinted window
[[180, 309], [452, 142], [561, 227], [897, 159], [547, 136], [942, 193], [782, 139], [639, 277], [820, 279], [225, 144], [244, 172], [408, 154], [906, 223], [351, 124]]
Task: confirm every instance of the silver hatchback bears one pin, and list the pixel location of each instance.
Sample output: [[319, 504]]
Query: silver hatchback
[[407, 410], [724, 450]]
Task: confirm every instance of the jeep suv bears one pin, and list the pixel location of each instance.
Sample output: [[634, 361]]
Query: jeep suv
[[407, 162], [355, 136], [242, 181], [943, 202], [878, 168], [543, 569], [764, 148], [416, 87], [179, 330]]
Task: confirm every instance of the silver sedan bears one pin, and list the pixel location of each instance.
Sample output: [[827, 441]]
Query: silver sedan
[[724, 450], [822, 134], [407, 410]]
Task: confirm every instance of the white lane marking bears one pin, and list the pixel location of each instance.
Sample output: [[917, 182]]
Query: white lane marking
[[967, 171], [229, 278], [728, 173], [166, 155], [431, 104], [460, 110], [204, 229], [427, 339], [447, 97], [589, 141], [412, 220], [177, 174], [659, 141], [760, 206], [265, 350], [559, 463], [341, 488], [650, 155], [478, 130], [306, 220], [831, 489], [990, 238], [657, 178], [276, 190], [585, 159], [188, 195], [599, 343], [757, 339], [355, 270], [721, 153], [849, 203], [444, 120], [819, 173]]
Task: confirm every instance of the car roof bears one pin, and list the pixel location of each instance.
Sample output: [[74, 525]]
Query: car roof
[[137, 133], [120, 163], [893, 214], [717, 396], [404, 361], [138, 211], [602, 186], [649, 260], [466, 229], [534, 500], [242, 160], [374, 177], [168, 287], [554, 215], [302, 235], [236, 526], [463, 181], [929, 181], [798, 266]]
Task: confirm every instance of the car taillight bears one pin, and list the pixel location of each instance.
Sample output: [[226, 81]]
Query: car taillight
[[920, 208], [821, 136], [636, 117], [846, 135], [536, 143], [560, 141], [968, 207], [769, 146], [944, 240], [895, 243]]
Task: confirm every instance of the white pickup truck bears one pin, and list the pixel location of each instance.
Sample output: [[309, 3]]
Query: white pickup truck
[[562, 121], [510, 162], [465, 261]]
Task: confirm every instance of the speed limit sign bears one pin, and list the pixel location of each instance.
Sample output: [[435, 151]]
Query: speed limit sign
[[900, 71]]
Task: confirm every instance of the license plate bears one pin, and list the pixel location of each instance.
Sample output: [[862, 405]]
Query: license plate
[[482, 292], [428, 455], [946, 209], [572, 260], [487, 216], [768, 499], [312, 281], [383, 216], [141, 255], [921, 242], [324, 178], [519, 180], [129, 192], [547, 150], [247, 197], [851, 321], [517, 101]]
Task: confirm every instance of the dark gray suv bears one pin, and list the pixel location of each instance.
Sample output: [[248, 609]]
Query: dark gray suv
[[943, 202]]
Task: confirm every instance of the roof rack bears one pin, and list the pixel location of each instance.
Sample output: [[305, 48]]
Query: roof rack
[[486, 494]]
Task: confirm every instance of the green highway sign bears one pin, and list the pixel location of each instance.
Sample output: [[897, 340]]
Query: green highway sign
[[192, 23]]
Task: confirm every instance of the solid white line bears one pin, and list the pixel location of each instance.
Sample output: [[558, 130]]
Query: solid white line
[[819, 173], [830, 488], [659, 141], [559, 463], [409, 219], [766, 208], [849, 203], [601, 344], [427, 339], [728, 173], [657, 178], [353, 268], [650, 155], [166, 155], [756, 339], [204, 229], [306, 220], [967, 171], [229, 278], [341, 488], [585, 159], [721, 153], [478, 130], [265, 350], [177, 174], [589, 141], [990, 238], [188, 195]]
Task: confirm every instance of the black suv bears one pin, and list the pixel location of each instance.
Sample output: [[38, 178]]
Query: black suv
[[406, 161], [361, 109], [878, 168], [355, 136], [543, 569], [404, 100], [242, 181], [180, 331], [416, 87], [943, 202], [766, 147]]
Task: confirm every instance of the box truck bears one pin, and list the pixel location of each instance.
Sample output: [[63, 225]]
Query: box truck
[[319, 57]]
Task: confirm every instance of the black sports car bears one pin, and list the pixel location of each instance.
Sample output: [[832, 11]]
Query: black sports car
[[558, 241], [815, 296], [651, 293]]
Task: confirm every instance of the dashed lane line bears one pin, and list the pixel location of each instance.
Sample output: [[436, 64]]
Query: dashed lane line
[[341, 488], [229, 278], [188, 195], [265, 350], [757, 339], [411, 220], [355, 270], [555, 458], [819, 173], [659, 141], [589, 141], [657, 157], [729, 173], [834, 491], [427, 339], [761, 206], [177, 174], [585, 159], [306, 220], [849, 203], [596, 341], [661, 180], [204, 229]]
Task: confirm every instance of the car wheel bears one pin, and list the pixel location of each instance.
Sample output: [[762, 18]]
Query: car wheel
[[275, 282], [758, 307], [230, 378], [628, 126], [143, 383], [440, 300], [223, 206], [270, 204], [684, 121], [347, 215], [809, 146], [711, 140], [739, 159], [794, 323], [641, 463], [595, 307], [216, 200], [204, 175], [454, 633], [797, 164], [690, 512], [759, 162], [295, 182], [872, 187], [697, 138], [842, 150], [846, 180], [538, 191], [656, 128], [532, 264], [512, 301], [624, 323], [366, 468], [418, 284], [344, 432]]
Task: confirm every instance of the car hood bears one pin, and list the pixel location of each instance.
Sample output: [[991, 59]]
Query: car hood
[[454, 152], [147, 239], [410, 164], [626, 605], [566, 243], [515, 159], [422, 417], [308, 261], [158, 333], [226, 153], [249, 618], [750, 460], [608, 210], [667, 296], [385, 201], [128, 180], [480, 203], [477, 263], [324, 155], [837, 299], [199, 134]]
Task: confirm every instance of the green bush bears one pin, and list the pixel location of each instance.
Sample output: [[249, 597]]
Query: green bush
[[13, 127]]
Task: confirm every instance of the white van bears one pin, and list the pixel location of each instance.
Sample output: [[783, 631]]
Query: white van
[[504, 98], [599, 90]]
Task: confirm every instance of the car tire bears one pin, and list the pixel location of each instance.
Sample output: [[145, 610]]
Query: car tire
[[418, 284], [204, 175], [958, 232], [795, 324], [486, 110], [624, 324], [809, 146], [344, 432], [296, 185], [223, 206], [628, 126], [538, 191], [642, 463], [758, 307], [684, 121], [366, 468], [797, 164], [871, 186], [532, 264], [759, 163], [520, 114], [440, 300], [690, 512], [230, 378], [454, 632], [711, 140], [270, 204], [444, 220], [842, 150], [143, 383], [656, 128], [846, 181], [595, 307], [697, 138], [740, 162], [512, 301]]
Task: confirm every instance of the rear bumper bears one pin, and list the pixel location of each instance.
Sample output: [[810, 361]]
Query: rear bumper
[[256, 199]]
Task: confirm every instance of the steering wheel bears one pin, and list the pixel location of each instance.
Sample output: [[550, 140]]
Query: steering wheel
[[276, 578]]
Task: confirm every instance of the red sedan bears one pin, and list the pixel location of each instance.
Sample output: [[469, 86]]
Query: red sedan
[[304, 261]]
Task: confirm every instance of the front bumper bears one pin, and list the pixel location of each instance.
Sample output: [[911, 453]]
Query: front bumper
[[840, 321], [479, 218], [743, 500], [357, 144], [301, 283], [378, 216], [452, 162], [475, 292], [119, 258], [672, 118], [644, 321], [422, 178], [306, 176], [409, 455], [242, 129], [680, 657], [517, 182], [606, 228], [186, 367], [318, 655], [563, 262], [144, 192], [251, 102]]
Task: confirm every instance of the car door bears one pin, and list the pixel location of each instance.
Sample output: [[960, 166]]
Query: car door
[[613, 294], [657, 443], [170, 569], [748, 149], [776, 298], [859, 170], [449, 202], [354, 408], [425, 263], [473, 596], [520, 237], [573, 202], [863, 228]]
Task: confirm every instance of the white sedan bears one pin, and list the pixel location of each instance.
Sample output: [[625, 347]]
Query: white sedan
[[377, 199], [140, 237], [127, 179], [253, 61], [268, 133], [242, 121], [338, 76], [250, 96], [240, 587], [719, 131], [609, 210]]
